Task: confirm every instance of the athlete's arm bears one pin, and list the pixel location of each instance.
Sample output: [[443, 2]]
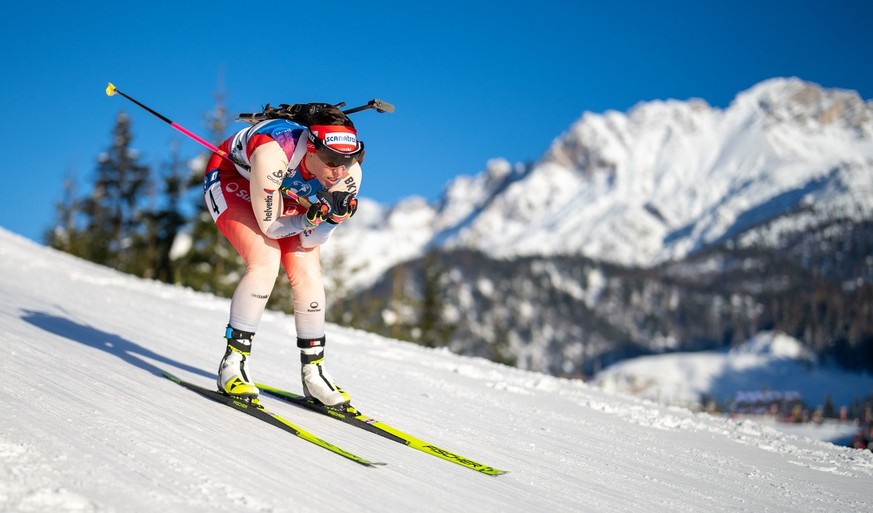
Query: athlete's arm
[[269, 164]]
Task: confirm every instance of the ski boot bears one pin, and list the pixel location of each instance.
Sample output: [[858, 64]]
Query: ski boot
[[317, 383], [233, 376]]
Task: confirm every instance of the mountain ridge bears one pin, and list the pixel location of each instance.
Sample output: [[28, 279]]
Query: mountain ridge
[[657, 183], [673, 227]]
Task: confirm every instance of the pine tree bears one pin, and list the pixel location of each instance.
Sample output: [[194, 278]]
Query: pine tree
[[63, 235], [106, 226], [435, 330], [165, 221]]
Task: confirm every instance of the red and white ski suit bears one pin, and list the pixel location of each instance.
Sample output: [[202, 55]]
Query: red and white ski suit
[[265, 226]]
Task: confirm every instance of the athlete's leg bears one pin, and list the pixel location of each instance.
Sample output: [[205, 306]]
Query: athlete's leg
[[227, 197], [303, 269]]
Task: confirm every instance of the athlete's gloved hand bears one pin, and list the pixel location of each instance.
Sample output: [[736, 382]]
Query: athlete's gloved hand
[[316, 214], [341, 204]]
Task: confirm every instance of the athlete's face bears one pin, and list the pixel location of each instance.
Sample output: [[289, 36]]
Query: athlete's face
[[326, 175]]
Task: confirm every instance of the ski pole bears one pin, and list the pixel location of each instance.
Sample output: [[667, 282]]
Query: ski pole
[[111, 90]]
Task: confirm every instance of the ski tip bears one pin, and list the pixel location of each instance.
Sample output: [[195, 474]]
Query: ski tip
[[366, 463], [170, 376], [110, 89]]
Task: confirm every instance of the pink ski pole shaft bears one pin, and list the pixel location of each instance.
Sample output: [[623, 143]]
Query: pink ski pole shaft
[[111, 90]]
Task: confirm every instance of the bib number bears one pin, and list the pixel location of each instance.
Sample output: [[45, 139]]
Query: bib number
[[213, 195]]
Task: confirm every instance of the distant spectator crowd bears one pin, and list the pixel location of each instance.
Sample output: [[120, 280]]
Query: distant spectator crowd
[[768, 402], [788, 406]]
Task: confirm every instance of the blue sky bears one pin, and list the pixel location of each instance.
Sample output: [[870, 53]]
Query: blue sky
[[470, 82]]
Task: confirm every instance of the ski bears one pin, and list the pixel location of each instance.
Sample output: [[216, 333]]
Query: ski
[[350, 415], [255, 409]]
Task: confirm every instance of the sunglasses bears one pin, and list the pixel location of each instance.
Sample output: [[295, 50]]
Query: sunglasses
[[334, 158]]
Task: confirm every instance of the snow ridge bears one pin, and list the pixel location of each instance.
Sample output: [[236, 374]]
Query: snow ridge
[[657, 183]]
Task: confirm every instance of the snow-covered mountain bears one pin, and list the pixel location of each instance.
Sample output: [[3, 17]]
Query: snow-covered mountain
[[90, 425], [657, 183]]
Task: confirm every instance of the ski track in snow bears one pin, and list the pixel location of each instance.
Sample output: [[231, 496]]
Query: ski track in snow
[[89, 424]]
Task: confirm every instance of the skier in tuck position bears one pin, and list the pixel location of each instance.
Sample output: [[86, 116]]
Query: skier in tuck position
[[260, 201]]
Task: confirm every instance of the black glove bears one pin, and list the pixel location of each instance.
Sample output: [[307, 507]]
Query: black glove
[[316, 213], [341, 204]]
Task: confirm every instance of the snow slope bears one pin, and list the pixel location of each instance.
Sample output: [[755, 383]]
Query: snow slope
[[90, 425]]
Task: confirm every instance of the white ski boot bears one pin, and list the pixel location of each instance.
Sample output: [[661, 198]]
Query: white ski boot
[[233, 375], [317, 383]]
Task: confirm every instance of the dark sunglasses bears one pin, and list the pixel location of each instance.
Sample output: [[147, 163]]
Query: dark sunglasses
[[334, 158]]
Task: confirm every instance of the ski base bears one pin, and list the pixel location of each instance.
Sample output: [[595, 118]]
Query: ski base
[[255, 409], [350, 415]]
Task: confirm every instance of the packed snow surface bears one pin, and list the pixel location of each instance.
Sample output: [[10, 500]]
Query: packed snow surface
[[89, 423]]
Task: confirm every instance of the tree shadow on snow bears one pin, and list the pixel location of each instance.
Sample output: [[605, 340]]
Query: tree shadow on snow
[[128, 351]]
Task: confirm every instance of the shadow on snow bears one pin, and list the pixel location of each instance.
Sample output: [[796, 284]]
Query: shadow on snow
[[128, 351]]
